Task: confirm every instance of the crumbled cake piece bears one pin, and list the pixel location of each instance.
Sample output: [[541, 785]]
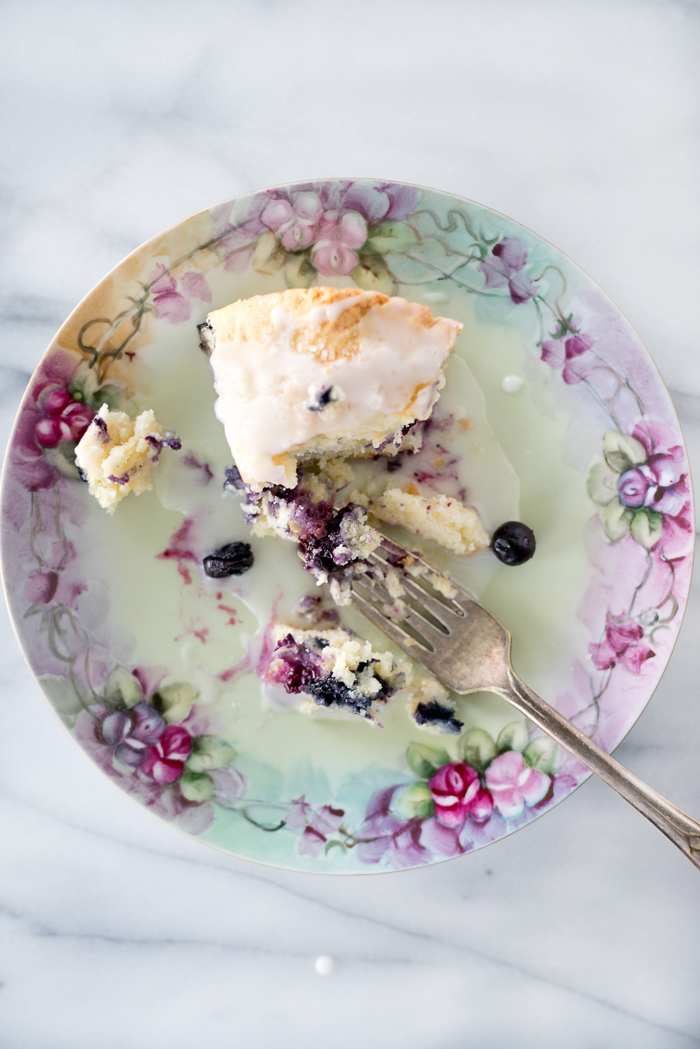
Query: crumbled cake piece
[[330, 540], [441, 518], [334, 669], [331, 668], [322, 373], [431, 707], [116, 454]]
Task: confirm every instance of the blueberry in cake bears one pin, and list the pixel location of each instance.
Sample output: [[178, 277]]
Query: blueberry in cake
[[333, 668], [307, 379]]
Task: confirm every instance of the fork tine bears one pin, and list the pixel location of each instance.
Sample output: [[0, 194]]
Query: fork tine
[[438, 609], [389, 626], [462, 593], [413, 616]]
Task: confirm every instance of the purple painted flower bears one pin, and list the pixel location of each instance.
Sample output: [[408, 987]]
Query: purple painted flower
[[514, 784], [505, 267], [568, 354], [659, 483], [457, 793], [624, 643], [633, 486], [132, 732]]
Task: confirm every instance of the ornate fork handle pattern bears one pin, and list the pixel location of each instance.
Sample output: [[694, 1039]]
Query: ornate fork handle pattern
[[680, 828]]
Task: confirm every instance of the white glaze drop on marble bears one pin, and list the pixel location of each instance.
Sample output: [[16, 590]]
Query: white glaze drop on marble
[[324, 965]]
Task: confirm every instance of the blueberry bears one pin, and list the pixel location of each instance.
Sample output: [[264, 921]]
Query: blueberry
[[433, 713], [513, 543], [232, 559]]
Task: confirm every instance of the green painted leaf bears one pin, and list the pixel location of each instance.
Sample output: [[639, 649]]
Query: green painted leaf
[[600, 483], [334, 843], [299, 271], [194, 786], [64, 696], [414, 801], [425, 760], [622, 452], [540, 753], [514, 736], [269, 256], [175, 701], [647, 526], [478, 748], [616, 520], [208, 753], [391, 236], [122, 689], [373, 274], [62, 459]]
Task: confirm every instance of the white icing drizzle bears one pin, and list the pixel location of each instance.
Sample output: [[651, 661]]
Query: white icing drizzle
[[263, 386]]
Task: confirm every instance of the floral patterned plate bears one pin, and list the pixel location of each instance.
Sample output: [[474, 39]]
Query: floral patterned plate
[[152, 667]]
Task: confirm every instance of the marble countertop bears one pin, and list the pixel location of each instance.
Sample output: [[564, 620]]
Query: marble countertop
[[578, 118]]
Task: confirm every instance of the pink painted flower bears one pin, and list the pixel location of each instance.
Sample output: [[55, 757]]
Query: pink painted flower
[[165, 761], [624, 643], [381, 201], [568, 354], [339, 236], [514, 784], [294, 221], [457, 793], [194, 285], [172, 302], [318, 825], [505, 267], [169, 303], [661, 483], [63, 417]]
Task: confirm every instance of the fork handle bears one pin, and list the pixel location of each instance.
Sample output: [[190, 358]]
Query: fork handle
[[683, 831]]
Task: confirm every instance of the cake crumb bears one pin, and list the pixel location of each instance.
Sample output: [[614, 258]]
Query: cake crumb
[[117, 454]]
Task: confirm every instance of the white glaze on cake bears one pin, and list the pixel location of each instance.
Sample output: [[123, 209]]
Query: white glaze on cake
[[265, 384]]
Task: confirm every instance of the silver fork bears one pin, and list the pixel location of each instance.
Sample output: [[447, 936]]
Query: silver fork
[[468, 650]]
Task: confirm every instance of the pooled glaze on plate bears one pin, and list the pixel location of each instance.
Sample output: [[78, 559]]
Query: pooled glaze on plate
[[152, 666]]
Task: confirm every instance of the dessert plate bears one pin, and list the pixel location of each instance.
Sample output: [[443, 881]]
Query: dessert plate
[[553, 413]]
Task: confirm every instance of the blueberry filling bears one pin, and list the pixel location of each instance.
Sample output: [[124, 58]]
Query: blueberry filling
[[513, 543], [329, 552], [322, 398], [298, 667], [330, 692], [433, 713], [232, 559], [234, 482]]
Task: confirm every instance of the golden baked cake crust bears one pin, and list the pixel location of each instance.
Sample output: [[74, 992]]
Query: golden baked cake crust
[[250, 319]]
